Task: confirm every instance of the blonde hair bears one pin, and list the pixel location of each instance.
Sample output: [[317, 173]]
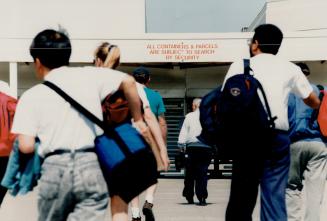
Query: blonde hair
[[108, 54]]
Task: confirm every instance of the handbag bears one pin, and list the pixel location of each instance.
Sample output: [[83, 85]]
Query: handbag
[[125, 158], [116, 111]]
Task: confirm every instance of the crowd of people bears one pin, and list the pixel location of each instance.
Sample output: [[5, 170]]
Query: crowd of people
[[72, 185]]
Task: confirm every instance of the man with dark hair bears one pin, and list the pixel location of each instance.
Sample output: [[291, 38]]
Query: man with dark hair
[[142, 76], [268, 37], [270, 171], [72, 186], [308, 159]]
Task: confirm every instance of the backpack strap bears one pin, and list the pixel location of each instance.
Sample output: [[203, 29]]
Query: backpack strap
[[271, 118], [247, 68]]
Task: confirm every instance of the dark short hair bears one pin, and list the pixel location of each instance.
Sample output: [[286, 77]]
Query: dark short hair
[[52, 48], [304, 68], [269, 38], [141, 75]]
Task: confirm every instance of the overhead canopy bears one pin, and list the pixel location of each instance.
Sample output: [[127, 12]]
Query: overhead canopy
[[144, 48], [96, 21]]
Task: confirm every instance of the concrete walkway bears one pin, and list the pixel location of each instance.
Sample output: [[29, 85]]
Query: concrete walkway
[[169, 204]]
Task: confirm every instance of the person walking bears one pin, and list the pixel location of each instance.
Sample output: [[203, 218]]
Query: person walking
[[71, 186], [198, 158], [142, 76], [108, 55], [279, 78], [8, 104], [308, 160]]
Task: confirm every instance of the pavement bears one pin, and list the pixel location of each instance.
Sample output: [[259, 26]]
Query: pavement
[[169, 204]]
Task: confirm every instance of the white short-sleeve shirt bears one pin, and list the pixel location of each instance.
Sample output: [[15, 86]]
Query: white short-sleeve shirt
[[191, 128], [43, 113], [278, 78]]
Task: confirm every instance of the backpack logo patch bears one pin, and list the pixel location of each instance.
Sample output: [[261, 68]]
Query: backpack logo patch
[[235, 91]]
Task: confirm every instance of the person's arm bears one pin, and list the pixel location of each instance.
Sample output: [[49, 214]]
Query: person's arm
[[128, 86], [312, 101], [303, 89], [152, 122], [161, 118], [182, 138], [25, 124], [26, 143], [163, 126]]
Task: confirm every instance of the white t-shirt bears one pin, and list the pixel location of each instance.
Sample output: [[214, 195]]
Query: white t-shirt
[[278, 78], [191, 128], [41, 112]]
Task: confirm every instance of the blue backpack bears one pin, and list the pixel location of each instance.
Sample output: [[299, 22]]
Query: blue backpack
[[234, 118]]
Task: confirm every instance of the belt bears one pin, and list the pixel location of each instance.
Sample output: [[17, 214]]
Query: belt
[[63, 151], [281, 131]]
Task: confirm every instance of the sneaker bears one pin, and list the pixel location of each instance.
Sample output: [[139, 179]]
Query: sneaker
[[147, 211], [136, 219]]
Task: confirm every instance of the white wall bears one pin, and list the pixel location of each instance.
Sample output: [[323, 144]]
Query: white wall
[[297, 15], [82, 18]]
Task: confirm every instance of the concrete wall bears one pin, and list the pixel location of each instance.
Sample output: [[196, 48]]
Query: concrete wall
[[297, 15], [83, 19]]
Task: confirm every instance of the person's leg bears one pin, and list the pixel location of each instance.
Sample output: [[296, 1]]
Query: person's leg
[[119, 209], [201, 176], [55, 200], [294, 185], [3, 166], [135, 208], [89, 192], [294, 204], [314, 181], [148, 204], [149, 193], [244, 189], [274, 180], [188, 190]]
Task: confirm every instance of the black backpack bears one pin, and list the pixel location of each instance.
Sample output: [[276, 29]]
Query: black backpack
[[234, 119]]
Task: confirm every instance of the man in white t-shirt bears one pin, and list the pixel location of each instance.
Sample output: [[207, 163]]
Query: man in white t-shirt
[[279, 78], [72, 186]]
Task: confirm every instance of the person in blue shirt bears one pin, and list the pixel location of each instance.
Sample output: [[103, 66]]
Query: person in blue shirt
[[142, 76], [308, 160]]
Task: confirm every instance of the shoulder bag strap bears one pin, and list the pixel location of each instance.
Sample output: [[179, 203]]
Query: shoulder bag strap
[[109, 131], [75, 104]]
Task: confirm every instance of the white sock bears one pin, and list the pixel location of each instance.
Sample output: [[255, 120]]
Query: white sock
[[149, 198], [135, 212]]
